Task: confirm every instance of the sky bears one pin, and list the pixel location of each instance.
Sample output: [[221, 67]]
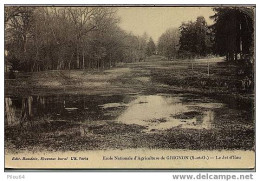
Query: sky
[[156, 20]]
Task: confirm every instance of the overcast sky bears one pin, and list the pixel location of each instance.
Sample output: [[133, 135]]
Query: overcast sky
[[156, 20]]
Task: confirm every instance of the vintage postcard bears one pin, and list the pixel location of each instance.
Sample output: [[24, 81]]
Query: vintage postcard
[[129, 87]]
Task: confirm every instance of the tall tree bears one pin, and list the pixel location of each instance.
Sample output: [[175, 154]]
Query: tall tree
[[151, 48], [168, 43], [195, 38], [18, 27], [234, 31], [55, 38]]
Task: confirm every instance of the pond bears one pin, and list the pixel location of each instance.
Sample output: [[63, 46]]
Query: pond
[[154, 112]]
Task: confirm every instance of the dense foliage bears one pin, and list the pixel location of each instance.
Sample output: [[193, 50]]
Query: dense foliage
[[195, 39], [234, 32], [192, 39], [151, 48], [168, 43]]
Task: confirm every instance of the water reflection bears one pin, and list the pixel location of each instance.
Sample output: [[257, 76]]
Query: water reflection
[[18, 112], [155, 112], [204, 121], [10, 115], [60, 107], [164, 112]]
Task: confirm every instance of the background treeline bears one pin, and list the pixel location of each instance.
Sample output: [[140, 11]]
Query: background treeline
[[55, 38], [231, 35]]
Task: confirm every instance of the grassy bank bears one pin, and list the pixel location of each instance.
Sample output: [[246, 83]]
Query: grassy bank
[[233, 123], [65, 82], [222, 81]]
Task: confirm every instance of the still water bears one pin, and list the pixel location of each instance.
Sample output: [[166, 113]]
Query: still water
[[154, 112]]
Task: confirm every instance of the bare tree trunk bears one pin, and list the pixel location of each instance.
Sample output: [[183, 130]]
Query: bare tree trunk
[[240, 43], [83, 59], [77, 55], [30, 99], [227, 58], [110, 60], [36, 59], [24, 43]]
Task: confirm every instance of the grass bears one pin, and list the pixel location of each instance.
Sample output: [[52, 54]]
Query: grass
[[150, 77], [62, 135], [223, 82]]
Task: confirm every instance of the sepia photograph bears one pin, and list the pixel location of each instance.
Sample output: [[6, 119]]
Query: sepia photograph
[[129, 87]]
